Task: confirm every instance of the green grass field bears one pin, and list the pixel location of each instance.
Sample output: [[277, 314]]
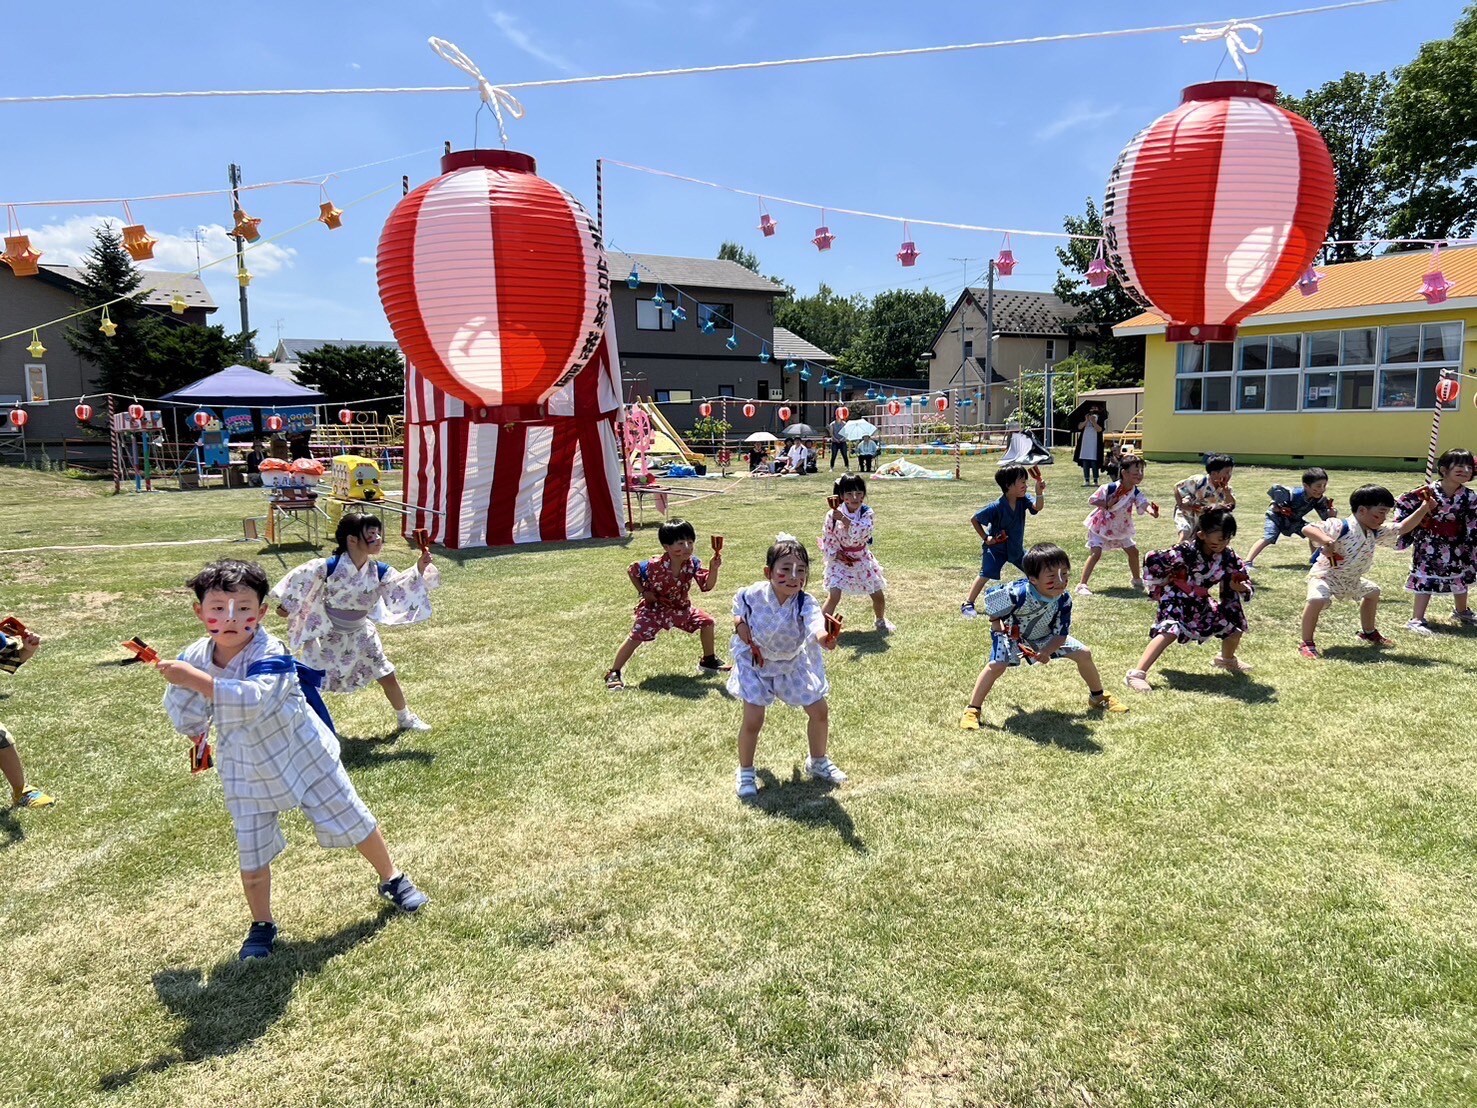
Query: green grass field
[[1247, 891]]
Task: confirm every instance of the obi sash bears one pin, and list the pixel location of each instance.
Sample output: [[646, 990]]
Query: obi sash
[[309, 678]]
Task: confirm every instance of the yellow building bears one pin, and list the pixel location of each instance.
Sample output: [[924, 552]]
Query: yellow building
[[1345, 376]]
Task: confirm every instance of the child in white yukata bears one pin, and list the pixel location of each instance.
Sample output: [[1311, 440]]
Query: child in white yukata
[[846, 541], [778, 634], [1345, 553], [273, 750], [1030, 617], [332, 605], [1211, 489], [1110, 527]]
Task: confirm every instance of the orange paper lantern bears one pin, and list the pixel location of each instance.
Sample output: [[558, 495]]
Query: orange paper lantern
[[329, 216], [246, 227], [19, 256], [138, 243]]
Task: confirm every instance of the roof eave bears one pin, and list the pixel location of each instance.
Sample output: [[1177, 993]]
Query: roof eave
[[1355, 311]]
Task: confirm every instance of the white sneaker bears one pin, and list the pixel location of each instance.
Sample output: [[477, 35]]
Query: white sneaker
[[744, 783], [967, 610], [409, 721], [886, 626], [823, 769], [1082, 590], [1138, 584], [1419, 627]]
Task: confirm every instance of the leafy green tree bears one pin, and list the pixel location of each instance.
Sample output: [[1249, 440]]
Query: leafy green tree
[[190, 351], [355, 373], [829, 321], [733, 252], [1429, 152], [1029, 394], [1090, 374], [1351, 115], [898, 329], [1097, 309]]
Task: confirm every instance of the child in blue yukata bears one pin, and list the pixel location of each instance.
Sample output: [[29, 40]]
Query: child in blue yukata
[[274, 751], [15, 651], [1289, 511], [1030, 618], [1001, 526]]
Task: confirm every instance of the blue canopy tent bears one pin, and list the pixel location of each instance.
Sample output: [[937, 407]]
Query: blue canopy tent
[[241, 386]]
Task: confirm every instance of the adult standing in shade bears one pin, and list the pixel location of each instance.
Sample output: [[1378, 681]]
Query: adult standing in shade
[[838, 443], [1089, 450]]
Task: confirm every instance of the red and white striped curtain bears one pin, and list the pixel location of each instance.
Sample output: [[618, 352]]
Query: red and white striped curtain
[[495, 483]]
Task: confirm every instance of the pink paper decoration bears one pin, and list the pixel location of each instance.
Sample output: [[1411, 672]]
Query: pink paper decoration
[[1434, 285], [1308, 282]]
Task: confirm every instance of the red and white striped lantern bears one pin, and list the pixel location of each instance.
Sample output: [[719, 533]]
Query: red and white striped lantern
[[136, 412], [843, 413], [274, 423], [19, 417], [941, 403], [894, 408], [705, 409], [784, 413], [749, 411], [83, 412], [345, 415], [202, 420], [1447, 389], [1216, 209], [494, 280]]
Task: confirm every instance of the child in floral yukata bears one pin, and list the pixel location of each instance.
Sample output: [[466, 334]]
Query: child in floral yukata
[[1442, 556], [846, 541], [779, 632], [1345, 553], [1290, 508], [1110, 527], [665, 584], [16, 651], [274, 752], [1030, 617], [1211, 489], [332, 605], [1001, 526], [1200, 586]]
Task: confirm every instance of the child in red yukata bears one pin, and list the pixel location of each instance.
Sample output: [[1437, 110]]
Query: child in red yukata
[[664, 584]]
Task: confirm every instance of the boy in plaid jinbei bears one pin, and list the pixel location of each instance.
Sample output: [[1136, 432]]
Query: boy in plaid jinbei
[[274, 751]]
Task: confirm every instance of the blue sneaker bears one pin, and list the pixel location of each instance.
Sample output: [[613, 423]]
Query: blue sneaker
[[259, 941], [401, 891]]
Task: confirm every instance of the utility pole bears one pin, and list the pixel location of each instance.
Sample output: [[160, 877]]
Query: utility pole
[[989, 335], [235, 172]]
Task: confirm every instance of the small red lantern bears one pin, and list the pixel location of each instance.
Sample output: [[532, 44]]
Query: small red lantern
[[494, 280], [1005, 260], [1216, 209], [843, 413], [705, 409], [1447, 389], [202, 420], [823, 238], [274, 423], [19, 417], [784, 413], [894, 408], [136, 412], [345, 415], [749, 411], [941, 403], [767, 224], [908, 253], [83, 412]]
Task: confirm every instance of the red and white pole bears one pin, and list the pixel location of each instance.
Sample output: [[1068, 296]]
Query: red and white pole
[[1446, 393]]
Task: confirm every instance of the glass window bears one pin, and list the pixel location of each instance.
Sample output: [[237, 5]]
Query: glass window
[[1287, 351], [1323, 348], [1441, 342], [1191, 358], [1253, 355], [969, 348], [1218, 357], [1187, 398], [1320, 391], [649, 317], [725, 390], [674, 396], [1397, 388], [1217, 394], [1251, 392], [1282, 392], [1051, 350], [1356, 390], [721, 315], [1402, 344], [38, 393], [1359, 347]]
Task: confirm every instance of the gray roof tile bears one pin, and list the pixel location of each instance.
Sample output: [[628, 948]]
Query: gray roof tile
[[159, 286], [690, 273], [1021, 312], [292, 350], [787, 344]]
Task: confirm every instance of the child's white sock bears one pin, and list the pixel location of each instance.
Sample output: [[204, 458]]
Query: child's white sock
[[405, 715]]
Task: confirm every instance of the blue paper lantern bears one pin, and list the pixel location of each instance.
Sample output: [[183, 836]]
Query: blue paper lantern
[[679, 313], [659, 300], [634, 280], [805, 375], [764, 352], [708, 327], [789, 366], [732, 342]]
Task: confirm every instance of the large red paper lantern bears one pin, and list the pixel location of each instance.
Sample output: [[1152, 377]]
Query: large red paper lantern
[[1447, 389], [83, 412], [1215, 210], [494, 280], [784, 413]]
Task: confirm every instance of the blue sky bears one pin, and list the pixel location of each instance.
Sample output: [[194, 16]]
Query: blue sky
[[1013, 137]]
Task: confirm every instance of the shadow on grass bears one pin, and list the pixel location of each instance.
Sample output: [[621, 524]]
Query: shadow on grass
[[462, 557], [359, 751], [1236, 686], [862, 643], [808, 802], [1120, 592], [1372, 655], [672, 684], [1049, 727], [241, 1000], [11, 831]]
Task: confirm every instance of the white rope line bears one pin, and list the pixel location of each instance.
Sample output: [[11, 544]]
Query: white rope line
[[494, 96], [692, 70], [119, 546], [1230, 34]]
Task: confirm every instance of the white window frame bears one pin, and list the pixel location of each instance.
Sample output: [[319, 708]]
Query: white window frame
[[1228, 375], [674, 396], [1051, 350], [664, 320], [45, 384], [1416, 367]]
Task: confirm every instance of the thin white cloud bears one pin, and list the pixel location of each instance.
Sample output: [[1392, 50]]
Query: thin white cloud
[[68, 242], [1079, 114], [364, 259], [355, 65], [508, 25]]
